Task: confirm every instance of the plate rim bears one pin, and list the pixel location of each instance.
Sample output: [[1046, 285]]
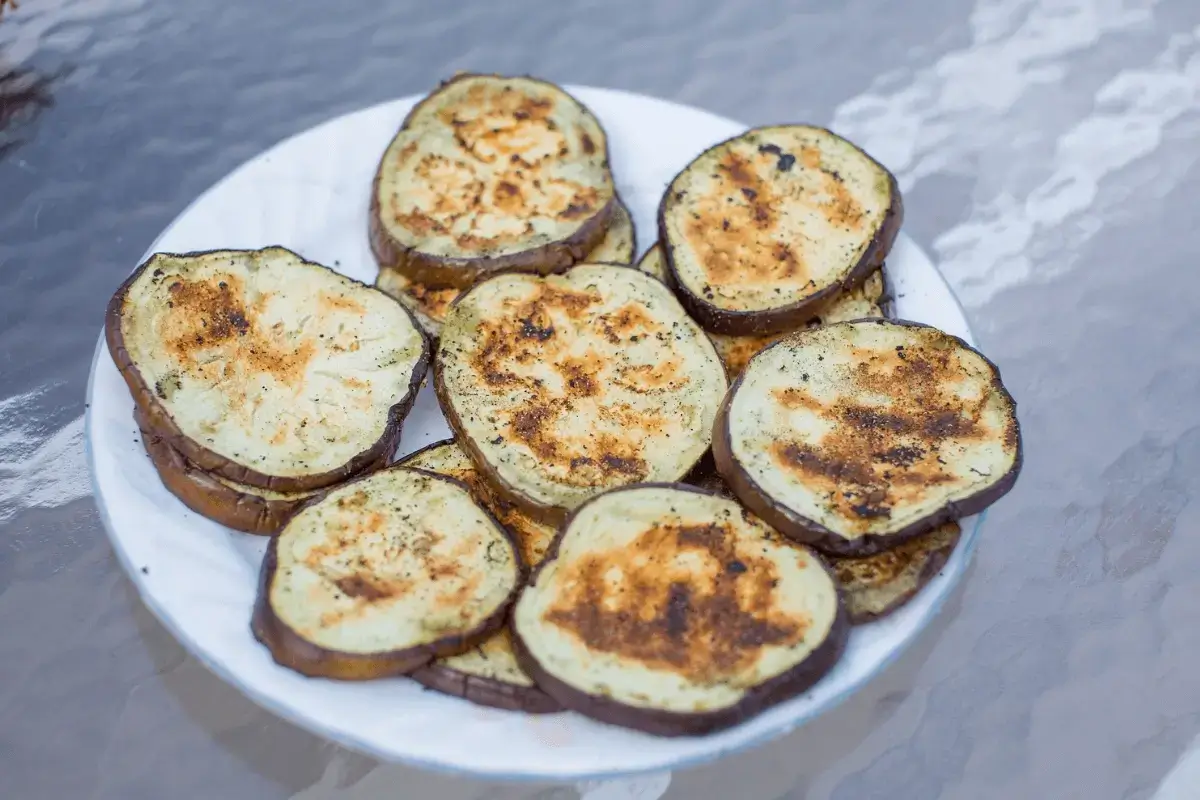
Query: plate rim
[[968, 542]]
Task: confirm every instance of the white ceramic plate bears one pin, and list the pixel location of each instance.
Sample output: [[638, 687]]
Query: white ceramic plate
[[310, 193]]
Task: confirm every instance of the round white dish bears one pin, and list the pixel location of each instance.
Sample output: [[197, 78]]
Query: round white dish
[[310, 193]]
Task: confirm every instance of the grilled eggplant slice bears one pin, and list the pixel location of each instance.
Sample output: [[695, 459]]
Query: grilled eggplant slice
[[562, 386], [877, 585], [858, 435], [487, 674], [244, 508], [429, 303], [378, 576], [266, 369], [491, 173], [861, 302], [763, 229], [673, 611]]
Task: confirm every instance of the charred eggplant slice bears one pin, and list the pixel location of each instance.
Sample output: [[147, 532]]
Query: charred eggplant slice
[[670, 610], [560, 387], [266, 369], [858, 435], [382, 574], [491, 173], [761, 230], [877, 585]]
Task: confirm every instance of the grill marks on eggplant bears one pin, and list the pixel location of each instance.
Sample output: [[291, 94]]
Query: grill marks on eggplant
[[876, 457], [265, 369], [381, 574], [876, 585], [730, 229], [491, 173], [576, 383], [208, 328], [512, 141], [868, 430], [674, 611], [538, 331], [763, 228], [688, 599]]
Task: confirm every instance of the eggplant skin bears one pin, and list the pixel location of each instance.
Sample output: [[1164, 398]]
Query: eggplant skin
[[791, 315], [248, 511], [462, 271], [157, 417], [660, 722], [484, 691], [829, 542], [290, 650]]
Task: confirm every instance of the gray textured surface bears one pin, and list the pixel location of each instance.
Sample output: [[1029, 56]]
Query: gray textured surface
[[1047, 150]]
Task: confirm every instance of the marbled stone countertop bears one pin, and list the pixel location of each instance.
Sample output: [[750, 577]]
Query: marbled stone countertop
[[1047, 150]]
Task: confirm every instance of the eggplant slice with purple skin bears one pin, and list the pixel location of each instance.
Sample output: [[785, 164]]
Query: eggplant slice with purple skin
[[856, 436], [426, 572], [487, 674], [673, 611], [763, 229], [429, 303], [266, 369], [487, 174], [560, 387]]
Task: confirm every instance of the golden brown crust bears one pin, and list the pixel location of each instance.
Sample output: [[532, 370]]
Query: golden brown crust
[[587, 379], [925, 416], [722, 598], [545, 515], [661, 722], [727, 237], [158, 419], [877, 585], [293, 651], [462, 272]]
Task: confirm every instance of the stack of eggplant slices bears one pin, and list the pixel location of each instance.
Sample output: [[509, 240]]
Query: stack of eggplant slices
[[674, 484]]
